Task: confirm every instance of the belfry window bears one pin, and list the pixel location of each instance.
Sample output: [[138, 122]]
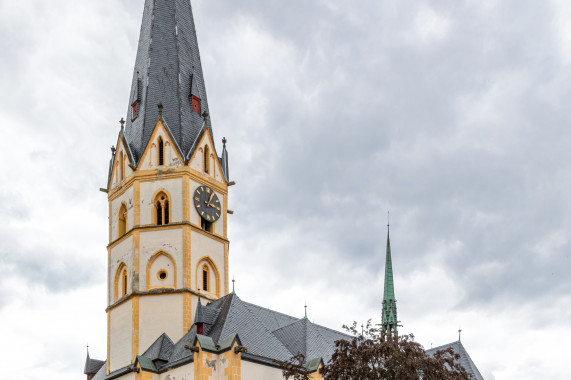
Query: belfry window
[[205, 279], [196, 104], [162, 209], [122, 221], [161, 152], [206, 159]]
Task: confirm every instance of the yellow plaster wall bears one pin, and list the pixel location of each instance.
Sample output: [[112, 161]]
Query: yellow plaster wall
[[173, 187], [121, 331], [232, 364], [201, 370], [162, 313]]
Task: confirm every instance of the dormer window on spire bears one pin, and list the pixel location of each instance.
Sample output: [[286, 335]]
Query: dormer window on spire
[[196, 104], [134, 109]]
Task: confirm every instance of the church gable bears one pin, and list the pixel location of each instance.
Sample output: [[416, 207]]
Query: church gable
[[204, 158], [162, 150], [121, 165]]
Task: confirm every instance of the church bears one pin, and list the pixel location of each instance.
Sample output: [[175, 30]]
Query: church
[[171, 312]]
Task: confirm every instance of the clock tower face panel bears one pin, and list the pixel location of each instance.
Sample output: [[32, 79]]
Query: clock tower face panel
[[207, 204]]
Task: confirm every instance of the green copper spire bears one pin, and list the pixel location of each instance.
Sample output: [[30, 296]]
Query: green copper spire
[[389, 302]]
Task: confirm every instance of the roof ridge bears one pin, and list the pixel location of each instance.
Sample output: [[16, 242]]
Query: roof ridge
[[273, 311]]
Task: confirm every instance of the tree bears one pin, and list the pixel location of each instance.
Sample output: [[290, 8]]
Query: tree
[[372, 354]]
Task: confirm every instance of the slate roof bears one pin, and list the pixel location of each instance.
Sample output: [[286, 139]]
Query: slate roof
[[92, 366], [268, 335], [168, 70], [465, 359]]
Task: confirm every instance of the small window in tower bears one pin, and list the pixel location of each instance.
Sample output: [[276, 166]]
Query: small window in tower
[[207, 226], [195, 104], [162, 275], [134, 109], [166, 209], [161, 155], [205, 278], [206, 159], [124, 282], [159, 214]]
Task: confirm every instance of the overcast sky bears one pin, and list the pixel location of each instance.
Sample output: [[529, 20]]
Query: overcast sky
[[454, 115]]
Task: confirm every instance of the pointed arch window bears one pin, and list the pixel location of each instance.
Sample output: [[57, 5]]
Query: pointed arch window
[[205, 278], [161, 152], [122, 221], [124, 288], [206, 159], [121, 283], [162, 209]]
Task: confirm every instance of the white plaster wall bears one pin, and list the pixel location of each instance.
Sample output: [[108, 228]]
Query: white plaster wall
[[122, 252], [186, 372], [160, 314], [173, 187], [129, 376], [205, 246], [162, 263], [196, 161], [253, 371], [121, 331], [169, 241], [126, 197], [149, 160], [195, 217]]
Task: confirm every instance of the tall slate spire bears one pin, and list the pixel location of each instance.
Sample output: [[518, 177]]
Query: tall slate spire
[[390, 319], [167, 71]]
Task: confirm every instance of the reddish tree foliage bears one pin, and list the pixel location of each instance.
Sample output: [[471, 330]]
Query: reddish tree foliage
[[374, 355]]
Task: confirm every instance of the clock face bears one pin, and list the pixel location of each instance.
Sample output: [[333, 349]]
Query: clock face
[[207, 203]]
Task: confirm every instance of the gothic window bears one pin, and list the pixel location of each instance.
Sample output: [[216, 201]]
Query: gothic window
[[122, 221], [162, 209], [205, 278], [161, 152], [206, 159], [124, 292], [121, 282], [196, 104]]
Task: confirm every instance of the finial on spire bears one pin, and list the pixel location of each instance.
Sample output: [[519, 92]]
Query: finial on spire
[[122, 121], [113, 149], [160, 105], [224, 141], [459, 334], [389, 219], [305, 310], [233, 281], [362, 329]]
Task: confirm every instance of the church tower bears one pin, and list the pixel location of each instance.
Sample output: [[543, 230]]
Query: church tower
[[390, 321], [167, 192]]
